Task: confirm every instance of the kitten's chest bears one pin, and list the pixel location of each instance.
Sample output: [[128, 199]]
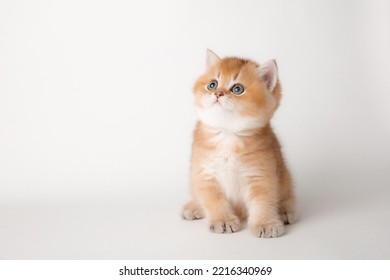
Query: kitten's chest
[[226, 166]]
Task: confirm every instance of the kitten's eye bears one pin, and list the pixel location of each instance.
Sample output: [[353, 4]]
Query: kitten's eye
[[237, 89], [213, 85]]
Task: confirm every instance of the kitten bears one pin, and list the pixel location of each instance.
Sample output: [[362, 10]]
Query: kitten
[[237, 169]]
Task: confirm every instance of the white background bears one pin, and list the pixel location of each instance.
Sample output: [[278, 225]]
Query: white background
[[96, 120]]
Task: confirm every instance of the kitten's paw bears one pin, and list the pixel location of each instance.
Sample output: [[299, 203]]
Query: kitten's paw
[[288, 217], [229, 225], [192, 211], [287, 211], [268, 230]]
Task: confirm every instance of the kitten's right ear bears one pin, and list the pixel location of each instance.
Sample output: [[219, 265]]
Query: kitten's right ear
[[211, 59], [268, 72]]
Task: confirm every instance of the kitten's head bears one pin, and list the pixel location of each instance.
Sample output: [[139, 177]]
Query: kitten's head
[[236, 94]]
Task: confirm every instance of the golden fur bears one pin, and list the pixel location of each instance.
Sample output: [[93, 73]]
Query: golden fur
[[237, 170]]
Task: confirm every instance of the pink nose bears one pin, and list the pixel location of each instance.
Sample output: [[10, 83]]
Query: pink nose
[[219, 94]]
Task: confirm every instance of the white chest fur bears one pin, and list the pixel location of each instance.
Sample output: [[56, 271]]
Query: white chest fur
[[227, 168]]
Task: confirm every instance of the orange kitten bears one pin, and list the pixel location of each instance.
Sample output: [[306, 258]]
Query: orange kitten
[[237, 169]]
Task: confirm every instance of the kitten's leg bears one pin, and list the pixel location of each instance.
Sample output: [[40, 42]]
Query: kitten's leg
[[287, 199], [287, 210], [219, 212], [192, 211], [264, 219]]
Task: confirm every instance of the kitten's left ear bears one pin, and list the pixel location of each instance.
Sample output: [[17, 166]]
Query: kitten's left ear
[[268, 72], [211, 58]]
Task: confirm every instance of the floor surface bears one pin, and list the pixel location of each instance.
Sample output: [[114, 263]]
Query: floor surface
[[335, 223]]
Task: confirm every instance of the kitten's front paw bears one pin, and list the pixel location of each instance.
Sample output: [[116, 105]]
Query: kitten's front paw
[[287, 211], [229, 225], [192, 211], [268, 230], [288, 218]]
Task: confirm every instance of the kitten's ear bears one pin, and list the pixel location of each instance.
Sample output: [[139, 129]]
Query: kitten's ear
[[268, 72], [211, 58]]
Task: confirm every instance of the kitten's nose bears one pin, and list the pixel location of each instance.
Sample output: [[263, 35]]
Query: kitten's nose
[[218, 94]]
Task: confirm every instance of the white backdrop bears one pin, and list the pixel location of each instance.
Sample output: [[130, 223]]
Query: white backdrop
[[96, 119]]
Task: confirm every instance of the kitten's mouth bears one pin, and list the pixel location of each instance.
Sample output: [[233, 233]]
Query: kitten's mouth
[[217, 103]]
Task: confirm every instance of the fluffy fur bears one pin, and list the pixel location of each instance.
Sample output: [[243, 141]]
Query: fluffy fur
[[237, 170]]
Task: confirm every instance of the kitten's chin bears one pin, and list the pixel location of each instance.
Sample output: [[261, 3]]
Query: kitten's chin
[[219, 118]]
